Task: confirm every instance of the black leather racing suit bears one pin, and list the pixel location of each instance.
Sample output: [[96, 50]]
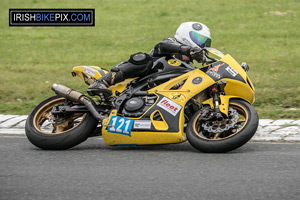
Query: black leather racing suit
[[140, 63]]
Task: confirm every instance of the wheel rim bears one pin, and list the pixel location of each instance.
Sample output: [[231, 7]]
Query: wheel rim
[[241, 123], [42, 119]]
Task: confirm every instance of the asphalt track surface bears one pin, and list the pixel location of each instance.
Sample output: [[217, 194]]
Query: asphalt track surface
[[93, 170]]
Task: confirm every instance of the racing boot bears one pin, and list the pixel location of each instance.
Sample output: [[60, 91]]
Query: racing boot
[[100, 88]]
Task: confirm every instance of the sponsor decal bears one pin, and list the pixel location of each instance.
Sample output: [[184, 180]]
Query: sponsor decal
[[174, 62], [170, 106], [213, 71], [232, 71], [221, 70], [142, 124], [197, 80], [89, 71], [101, 70], [120, 125], [197, 26], [215, 75], [177, 96]]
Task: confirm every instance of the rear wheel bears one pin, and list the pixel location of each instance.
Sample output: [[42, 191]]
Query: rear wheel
[[224, 135], [57, 132]]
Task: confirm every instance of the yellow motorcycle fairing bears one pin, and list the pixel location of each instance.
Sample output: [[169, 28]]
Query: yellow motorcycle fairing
[[170, 129], [89, 74], [139, 137], [237, 86], [234, 88], [242, 88]]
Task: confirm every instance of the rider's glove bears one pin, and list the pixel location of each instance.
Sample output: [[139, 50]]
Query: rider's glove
[[197, 54]]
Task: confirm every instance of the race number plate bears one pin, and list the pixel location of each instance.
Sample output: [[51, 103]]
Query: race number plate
[[120, 125]]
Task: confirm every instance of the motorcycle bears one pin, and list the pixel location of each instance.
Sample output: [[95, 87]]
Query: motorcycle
[[210, 107]]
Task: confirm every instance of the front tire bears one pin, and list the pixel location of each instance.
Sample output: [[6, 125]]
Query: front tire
[[239, 134], [63, 133]]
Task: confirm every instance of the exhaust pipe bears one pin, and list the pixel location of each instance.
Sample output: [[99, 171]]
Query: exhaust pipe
[[75, 96]]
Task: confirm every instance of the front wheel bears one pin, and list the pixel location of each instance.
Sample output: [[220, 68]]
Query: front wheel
[[57, 132], [225, 135]]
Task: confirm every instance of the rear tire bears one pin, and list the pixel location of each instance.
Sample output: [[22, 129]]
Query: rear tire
[[229, 140], [69, 132]]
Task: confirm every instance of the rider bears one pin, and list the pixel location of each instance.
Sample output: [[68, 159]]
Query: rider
[[189, 38]]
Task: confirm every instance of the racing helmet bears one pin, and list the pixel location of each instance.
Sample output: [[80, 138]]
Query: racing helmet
[[194, 34]]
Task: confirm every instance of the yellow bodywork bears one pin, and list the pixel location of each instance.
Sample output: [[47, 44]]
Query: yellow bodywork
[[233, 89], [140, 137]]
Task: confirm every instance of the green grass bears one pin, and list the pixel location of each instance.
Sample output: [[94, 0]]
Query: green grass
[[32, 58]]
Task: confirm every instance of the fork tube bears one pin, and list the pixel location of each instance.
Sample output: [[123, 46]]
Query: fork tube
[[216, 99]]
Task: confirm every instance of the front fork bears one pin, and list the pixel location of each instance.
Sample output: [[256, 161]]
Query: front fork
[[216, 101], [219, 101]]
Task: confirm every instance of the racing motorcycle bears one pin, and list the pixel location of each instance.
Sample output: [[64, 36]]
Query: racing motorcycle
[[210, 107]]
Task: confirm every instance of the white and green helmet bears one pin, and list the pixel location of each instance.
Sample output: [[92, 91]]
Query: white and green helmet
[[194, 34]]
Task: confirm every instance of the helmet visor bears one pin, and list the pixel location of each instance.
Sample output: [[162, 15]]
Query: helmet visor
[[199, 39]]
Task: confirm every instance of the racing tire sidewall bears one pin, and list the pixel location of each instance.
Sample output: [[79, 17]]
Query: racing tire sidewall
[[231, 143], [61, 141]]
